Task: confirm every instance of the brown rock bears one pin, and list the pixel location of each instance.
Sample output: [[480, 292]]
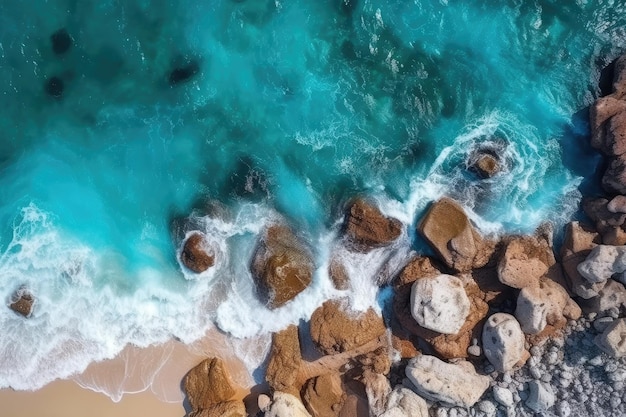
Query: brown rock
[[338, 274], [323, 396], [599, 113], [615, 139], [484, 164], [524, 261], [208, 384], [197, 255], [355, 405], [285, 361], [614, 179], [579, 240], [367, 228], [234, 408], [376, 361], [22, 302], [406, 348], [335, 330], [282, 266], [448, 230], [418, 267], [608, 221]]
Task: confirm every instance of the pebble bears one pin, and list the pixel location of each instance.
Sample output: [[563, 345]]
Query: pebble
[[610, 367], [507, 378], [487, 407], [535, 351], [489, 368], [552, 357], [563, 409], [546, 378], [596, 361], [535, 373], [615, 402], [474, 350]]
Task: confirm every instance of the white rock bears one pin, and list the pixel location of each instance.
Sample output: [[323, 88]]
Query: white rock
[[613, 339], [286, 405], [503, 341], [602, 263], [488, 408], [377, 389], [612, 296], [455, 384], [541, 305], [503, 396], [403, 402], [541, 396], [440, 303]]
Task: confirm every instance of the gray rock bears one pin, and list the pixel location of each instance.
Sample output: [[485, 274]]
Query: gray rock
[[503, 341], [541, 396], [440, 303], [503, 396], [613, 339], [451, 384], [403, 402], [602, 262]]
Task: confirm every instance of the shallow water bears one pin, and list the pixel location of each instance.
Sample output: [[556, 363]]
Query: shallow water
[[275, 109]]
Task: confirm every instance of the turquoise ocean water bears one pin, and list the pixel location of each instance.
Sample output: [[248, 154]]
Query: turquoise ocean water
[[290, 108]]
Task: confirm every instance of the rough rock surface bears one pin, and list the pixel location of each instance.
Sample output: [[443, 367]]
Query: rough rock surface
[[403, 402], [323, 396], [234, 408], [524, 261], [611, 296], [335, 330], [541, 396], [602, 263], [503, 342], [367, 228], [544, 304], [448, 230], [282, 266], [484, 164], [208, 384], [440, 303], [613, 340], [579, 240], [338, 274], [377, 389], [22, 302], [197, 255], [609, 223], [453, 384], [285, 360], [286, 405]]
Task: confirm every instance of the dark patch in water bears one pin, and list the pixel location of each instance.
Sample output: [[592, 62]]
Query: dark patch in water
[[54, 87], [183, 73], [61, 41]]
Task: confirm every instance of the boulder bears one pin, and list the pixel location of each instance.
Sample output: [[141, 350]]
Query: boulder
[[617, 204], [614, 179], [285, 405], [613, 340], [208, 384], [285, 361], [542, 305], [197, 255], [615, 135], [367, 228], [602, 263], [376, 361], [22, 302], [503, 342], [282, 266], [578, 242], [456, 385], [440, 303], [448, 230], [484, 164], [335, 330], [524, 261], [403, 402], [338, 274], [600, 113], [609, 223], [323, 396], [234, 408], [541, 396], [612, 295], [446, 345], [377, 389]]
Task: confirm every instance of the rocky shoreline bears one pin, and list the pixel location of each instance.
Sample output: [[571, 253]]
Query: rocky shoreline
[[505, 327]]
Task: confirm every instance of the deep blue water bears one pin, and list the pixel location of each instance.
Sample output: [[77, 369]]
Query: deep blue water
[[290, 108]]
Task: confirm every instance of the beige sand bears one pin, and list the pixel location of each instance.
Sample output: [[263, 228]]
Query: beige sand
[[156, 371]]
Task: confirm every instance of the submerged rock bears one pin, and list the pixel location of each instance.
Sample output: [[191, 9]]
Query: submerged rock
[[61, 41], [22, 302], [183, 73], [484, 164], [367, 228], [197, 255], [456, 385], [440, 303], [448, 230], [54, 87], [335, 330], [282, 266]]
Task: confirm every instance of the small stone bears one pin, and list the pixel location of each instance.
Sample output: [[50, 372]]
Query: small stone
[[541, 396], [602, 323], [474, 350], [595, 361], [487, 407], [563, 409], [503, 396], [535, 373], [613, 340], [615, 402], [552, 358]]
